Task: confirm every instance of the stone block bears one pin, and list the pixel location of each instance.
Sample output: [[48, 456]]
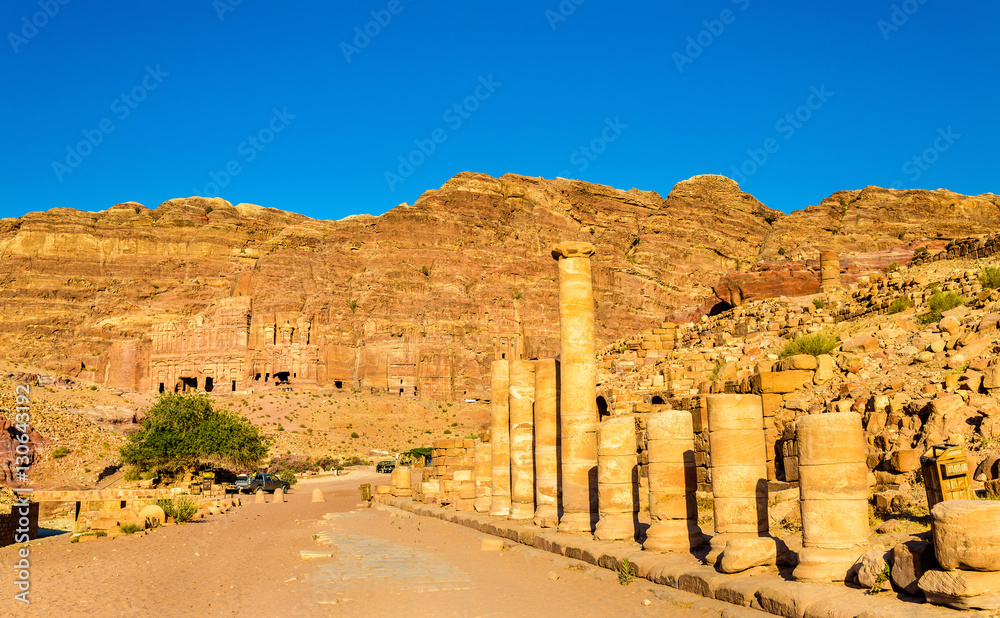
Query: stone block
[[905, 460], [967, 534], [781, 381], [962, 589], [742, 554]]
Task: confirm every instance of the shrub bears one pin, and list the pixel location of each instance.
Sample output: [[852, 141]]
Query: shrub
[[892, 267], [781, 251], [447, 431], [132, 474], [356, 460], [93, 387], [130, 528], [182, 430], [990, 278], [939, 302], [354, 435], [625, 573], [288, 476], [819, 303], [813, 344], [60, 452], [900, 304], [181, 509], [920, 252]]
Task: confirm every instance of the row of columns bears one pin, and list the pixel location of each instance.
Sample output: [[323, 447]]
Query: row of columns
[[552, 462]]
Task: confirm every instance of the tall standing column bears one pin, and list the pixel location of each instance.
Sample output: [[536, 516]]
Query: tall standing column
[[673, 481], [483, 476], [546, 439], [522, 439], [829, 271], [739, 468], [617, 480], [500, 439], [578, 391], [833, 481]]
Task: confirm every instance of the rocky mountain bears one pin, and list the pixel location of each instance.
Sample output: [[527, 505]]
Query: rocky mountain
[[419, 300]]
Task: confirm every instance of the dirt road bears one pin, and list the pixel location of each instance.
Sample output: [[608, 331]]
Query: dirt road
[[383, 563]]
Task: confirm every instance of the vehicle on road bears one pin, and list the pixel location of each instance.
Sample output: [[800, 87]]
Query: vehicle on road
[[385, 466], [260, 482]]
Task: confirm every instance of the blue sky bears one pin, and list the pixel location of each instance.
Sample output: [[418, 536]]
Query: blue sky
[[337, 108]]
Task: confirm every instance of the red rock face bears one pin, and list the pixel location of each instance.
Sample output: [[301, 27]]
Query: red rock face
[[417, 301]]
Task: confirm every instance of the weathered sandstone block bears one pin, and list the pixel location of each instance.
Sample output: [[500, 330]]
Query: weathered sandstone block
[[617, 480]]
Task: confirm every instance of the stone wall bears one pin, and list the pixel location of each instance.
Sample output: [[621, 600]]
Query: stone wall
[[9, 518]]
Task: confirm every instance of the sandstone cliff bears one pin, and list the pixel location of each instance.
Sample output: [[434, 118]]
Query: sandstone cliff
[[422, 297]]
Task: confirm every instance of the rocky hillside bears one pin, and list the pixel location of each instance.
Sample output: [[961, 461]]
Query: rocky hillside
[[442, 285]]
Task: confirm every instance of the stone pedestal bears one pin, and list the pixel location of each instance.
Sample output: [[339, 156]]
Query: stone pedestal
[[739, 469], [401, 487], [546, 440], [833, 481], [578, 417], [482, 457], [829, 271], [673, 481], [617, 480], [500, 439], [522, 446]]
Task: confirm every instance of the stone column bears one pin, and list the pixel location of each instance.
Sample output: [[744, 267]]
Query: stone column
[[617, 480], [739, 469], [829, 271], [401, 487], [673, 481], [546, 439], [522, 439], [833, 481], [483, 475], [578, 388], [500, 439]]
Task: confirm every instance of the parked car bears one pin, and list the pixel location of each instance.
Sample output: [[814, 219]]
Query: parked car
[[385, 466], [260, 482]]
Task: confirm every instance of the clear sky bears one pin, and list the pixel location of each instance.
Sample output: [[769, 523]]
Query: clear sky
[[335, 108]]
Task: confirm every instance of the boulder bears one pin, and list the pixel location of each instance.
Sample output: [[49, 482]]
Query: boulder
[[909, 562], [153, 514], [950, 325], [905, 460], [870, 568], [861, 343], [741, 554], [826, 369]]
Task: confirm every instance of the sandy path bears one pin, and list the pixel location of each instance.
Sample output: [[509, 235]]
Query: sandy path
[[384, 563]]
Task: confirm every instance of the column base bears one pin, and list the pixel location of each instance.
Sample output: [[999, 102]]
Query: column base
[[615, 527], [678, 535], [546, 516], [826, 565], [520, 511], [482, 505], [717, 545], [576, 523], [500, 507]]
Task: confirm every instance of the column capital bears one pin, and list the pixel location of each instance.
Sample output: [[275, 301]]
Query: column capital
[[569, 248]]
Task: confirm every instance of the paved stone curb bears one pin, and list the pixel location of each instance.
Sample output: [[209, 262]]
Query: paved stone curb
[[752, 593]]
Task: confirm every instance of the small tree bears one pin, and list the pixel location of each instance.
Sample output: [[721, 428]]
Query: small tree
[[180, 431]]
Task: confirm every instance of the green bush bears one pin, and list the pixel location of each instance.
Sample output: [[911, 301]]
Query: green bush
[[288, 476], [990, 278], [899, 305], [939, 302], [60, 452], [813, 344], [892, 267], [132, 473], [819, 303], [180, 431], [354, 434], [920, 252], [130, 528], [181, 509]]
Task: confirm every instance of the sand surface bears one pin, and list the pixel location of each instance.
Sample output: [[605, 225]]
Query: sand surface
[[383, 563]]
